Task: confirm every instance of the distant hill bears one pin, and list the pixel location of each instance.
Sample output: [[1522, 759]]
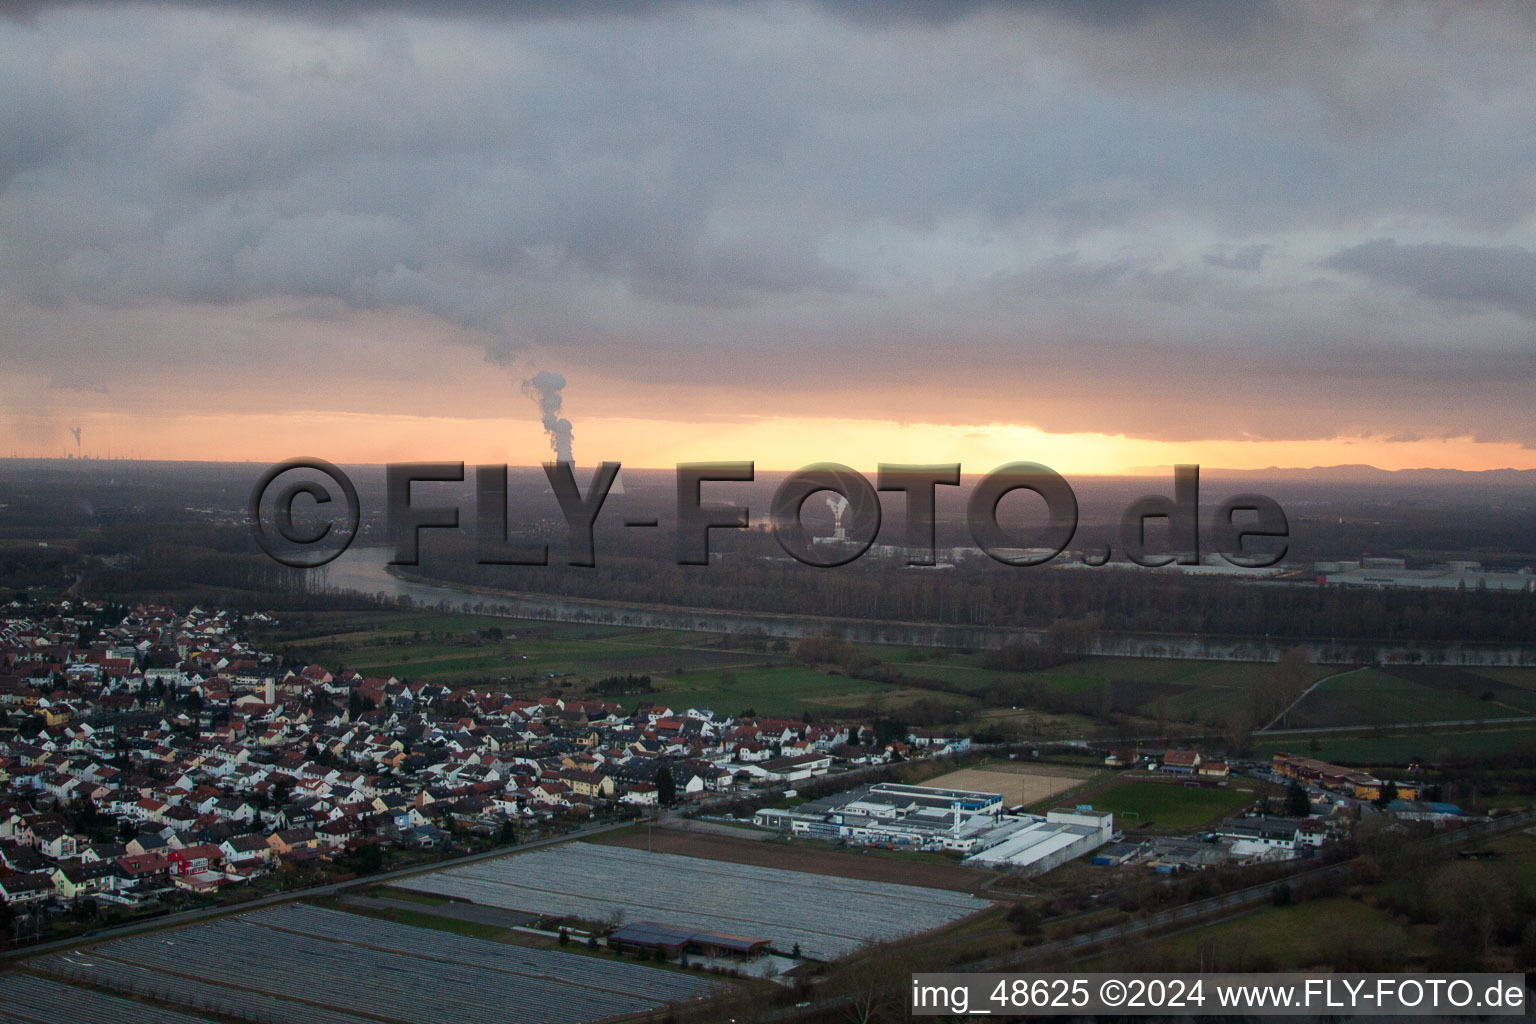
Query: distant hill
[[1363, 474]]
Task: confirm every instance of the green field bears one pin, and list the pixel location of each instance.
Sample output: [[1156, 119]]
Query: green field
[[1421, 694], [1400, 748], [787, 690], [728, 674], [1521, 678], [1184, 692], [732, 673], [1169, 805]]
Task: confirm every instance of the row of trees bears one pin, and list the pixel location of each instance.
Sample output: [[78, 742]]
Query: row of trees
[[985, 594]]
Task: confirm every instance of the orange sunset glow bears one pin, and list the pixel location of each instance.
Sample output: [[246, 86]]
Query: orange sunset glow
[[774, 444]]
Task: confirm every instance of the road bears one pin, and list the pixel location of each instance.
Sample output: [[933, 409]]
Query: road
[[187, 917], [1383, 729]]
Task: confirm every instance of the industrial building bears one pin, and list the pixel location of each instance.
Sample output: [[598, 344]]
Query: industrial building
[[1040, 844], [1392, 574], [931, 818], [891, 813], [894, 814]]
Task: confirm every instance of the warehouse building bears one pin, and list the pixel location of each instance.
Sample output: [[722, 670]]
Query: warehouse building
[[1040, 844], [1452, 576], [895, 814], [932, 818]]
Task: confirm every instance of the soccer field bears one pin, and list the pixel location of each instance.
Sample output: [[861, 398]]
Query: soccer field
[[1169, 805]]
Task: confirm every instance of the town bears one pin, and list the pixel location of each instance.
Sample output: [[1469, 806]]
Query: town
[[153, 760], [160, 754]]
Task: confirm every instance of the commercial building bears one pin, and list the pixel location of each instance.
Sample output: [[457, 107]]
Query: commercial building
[[1451, 576], [932, 818], [1040, 844], [1358, 784], [895, 814], [1266, 837]]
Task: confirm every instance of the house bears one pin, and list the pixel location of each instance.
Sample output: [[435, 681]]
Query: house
[[76, 879], [337, 833], [25, 890], [1180, 762], [587, 783], [53, 842], [643, 794], [238, 850], [147, 842], [150, 867], [193, 859], [935, 739], [286, 841]]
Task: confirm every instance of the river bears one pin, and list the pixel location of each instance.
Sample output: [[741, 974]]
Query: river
[[364, 570]]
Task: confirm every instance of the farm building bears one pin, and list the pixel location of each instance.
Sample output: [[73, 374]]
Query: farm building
[[648, 937]]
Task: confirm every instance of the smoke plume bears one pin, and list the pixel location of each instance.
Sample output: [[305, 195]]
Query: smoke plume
[[544, 389]]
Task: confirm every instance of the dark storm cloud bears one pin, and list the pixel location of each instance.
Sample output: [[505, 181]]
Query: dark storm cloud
[[1135, 202], [1463, 277], [1218, 14]]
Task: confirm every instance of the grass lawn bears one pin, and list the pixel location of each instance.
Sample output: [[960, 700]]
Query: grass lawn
[[1168, 806]]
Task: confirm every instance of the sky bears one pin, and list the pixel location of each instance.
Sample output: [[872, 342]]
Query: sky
[[1104, 236]]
